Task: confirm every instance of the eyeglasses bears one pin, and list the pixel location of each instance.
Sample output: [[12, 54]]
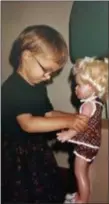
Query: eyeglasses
[[45, 71]]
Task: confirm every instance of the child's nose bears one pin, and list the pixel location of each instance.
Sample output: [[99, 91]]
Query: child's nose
[[47, 76], [76, 87]]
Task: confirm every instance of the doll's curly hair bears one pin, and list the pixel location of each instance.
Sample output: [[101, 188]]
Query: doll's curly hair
[[95, 72]]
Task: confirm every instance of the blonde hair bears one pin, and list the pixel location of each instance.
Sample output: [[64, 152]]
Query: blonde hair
[[40, 40], [94, 72]]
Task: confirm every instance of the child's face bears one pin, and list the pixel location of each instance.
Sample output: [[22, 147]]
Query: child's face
[[82, 90], [39, 68]]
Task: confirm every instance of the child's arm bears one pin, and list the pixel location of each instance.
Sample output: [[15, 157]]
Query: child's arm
[[85, 109]]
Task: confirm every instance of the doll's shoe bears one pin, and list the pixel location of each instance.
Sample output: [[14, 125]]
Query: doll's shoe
[[70, 197]]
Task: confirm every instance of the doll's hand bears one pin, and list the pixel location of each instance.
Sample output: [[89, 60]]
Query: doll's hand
[[65, 135]]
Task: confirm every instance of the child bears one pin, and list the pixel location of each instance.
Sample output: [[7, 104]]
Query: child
[[92, 86], [30, 172]]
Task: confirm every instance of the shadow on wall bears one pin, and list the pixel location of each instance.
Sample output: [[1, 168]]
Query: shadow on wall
[[15, 54], [88, 29], [73, 99], [88, 33]]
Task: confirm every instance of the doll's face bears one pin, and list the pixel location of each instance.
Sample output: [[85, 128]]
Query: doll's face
[[83, 90]]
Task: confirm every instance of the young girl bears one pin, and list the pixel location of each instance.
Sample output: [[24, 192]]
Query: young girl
[[30, 172], [92, 86]]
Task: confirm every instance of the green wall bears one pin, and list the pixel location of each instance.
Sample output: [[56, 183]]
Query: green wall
[[88, 29]]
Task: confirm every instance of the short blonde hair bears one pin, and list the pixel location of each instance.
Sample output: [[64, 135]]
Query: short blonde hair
[[40, 40], [94, 72]]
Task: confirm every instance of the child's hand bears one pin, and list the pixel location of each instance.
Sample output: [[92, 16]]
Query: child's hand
[[65, 135]]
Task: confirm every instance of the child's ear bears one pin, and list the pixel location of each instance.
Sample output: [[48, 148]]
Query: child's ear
[[26, 54]]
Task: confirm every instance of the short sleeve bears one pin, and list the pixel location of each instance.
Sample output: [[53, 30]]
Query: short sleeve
[[21, 108]]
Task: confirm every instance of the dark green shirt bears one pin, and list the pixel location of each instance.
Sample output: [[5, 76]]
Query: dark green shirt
[[18, 97]]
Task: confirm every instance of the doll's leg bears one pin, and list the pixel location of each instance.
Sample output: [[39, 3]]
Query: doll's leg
[[81, 173]]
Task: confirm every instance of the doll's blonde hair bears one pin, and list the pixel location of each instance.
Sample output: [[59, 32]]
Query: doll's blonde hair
[[94, 72]]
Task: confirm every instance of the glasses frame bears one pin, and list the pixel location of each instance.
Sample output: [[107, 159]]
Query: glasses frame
[[45, 71]]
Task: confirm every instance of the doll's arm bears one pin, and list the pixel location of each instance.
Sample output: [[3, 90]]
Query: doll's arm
[[66, 135], [87, 109]]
